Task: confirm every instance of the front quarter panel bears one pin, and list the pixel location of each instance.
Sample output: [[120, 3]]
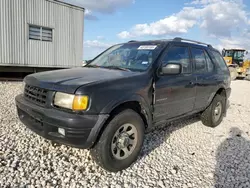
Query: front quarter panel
[[105, 96]]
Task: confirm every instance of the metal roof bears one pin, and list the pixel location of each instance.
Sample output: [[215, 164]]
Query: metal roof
[[235, 49], [67, 4]]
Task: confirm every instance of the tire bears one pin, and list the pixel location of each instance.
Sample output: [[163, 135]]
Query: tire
[[210, 117], [248, 77], [233, 73], [105, 151]]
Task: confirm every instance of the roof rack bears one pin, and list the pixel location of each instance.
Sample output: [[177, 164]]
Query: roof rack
[[133, 41], [193, 41]]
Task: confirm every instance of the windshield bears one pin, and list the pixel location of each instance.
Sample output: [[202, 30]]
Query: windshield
[[130, 56], [229, 53], [237, 55]]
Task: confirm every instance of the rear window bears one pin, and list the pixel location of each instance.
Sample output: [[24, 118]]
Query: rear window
[[199, 59], [219, 59]]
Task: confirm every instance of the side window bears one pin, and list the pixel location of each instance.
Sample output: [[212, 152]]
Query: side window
[[199, 60], [178, 54], [210, 64], [219, 59]]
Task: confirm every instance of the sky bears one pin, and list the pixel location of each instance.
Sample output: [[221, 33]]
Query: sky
[[222, 23]]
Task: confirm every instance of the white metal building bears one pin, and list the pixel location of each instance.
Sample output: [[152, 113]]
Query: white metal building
[[40, 33]]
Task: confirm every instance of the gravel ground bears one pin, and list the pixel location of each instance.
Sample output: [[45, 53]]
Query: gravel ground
[[183, 154]]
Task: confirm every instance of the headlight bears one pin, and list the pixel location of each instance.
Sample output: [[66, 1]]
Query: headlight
[[69, 101]]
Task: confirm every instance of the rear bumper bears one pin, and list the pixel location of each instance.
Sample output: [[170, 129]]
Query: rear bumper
[[228, 92], [81, 131]]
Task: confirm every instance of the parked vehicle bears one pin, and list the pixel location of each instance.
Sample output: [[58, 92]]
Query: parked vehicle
[[109, 104], [239, 66]]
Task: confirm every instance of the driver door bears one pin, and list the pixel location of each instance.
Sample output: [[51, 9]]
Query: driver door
[[175, 94]]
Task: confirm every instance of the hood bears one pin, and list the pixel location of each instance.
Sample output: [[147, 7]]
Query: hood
[[68, 80]]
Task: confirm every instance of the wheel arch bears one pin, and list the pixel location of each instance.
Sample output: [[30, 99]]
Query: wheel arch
[[136, 103], [220, 91]]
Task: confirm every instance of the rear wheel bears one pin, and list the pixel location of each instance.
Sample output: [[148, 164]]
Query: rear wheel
[[120, 143], [213, 115], [248, 77]]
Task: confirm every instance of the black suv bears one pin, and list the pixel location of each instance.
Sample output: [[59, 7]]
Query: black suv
[[109, 104]]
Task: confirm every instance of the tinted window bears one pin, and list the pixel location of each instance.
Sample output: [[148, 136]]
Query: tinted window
[[220, 60], [178, 54], [199, 59], [210, 65]]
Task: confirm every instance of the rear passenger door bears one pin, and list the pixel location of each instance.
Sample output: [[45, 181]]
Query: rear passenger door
[[205, 75]]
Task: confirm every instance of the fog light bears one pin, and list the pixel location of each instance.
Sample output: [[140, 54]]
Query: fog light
[[61, 131]]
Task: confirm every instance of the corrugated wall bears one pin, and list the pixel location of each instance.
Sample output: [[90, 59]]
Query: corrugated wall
[[16, 49], [12, 32]]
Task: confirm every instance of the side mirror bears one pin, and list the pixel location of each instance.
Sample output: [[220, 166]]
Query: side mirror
[[171, 69], [84, 62]]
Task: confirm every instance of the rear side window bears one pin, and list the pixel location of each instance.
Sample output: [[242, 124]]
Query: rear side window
[[210, 64], [199, 59], [219, 60], [178, 54]]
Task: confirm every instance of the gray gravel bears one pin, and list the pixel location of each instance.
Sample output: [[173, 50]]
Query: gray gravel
[[183, 154]]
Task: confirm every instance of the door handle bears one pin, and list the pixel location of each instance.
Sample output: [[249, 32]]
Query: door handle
[[191, 83]]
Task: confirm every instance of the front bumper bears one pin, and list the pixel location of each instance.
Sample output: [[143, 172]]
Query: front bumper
[[81, 131]]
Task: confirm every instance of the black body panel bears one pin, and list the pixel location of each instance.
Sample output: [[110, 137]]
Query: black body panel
[[160, 97]]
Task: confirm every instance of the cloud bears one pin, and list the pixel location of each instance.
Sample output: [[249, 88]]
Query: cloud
[[93, 47], [89, 15], [203, 2], [235, 42], [124, 35], [217, 17], [222, 17], [96, 44], [171, 25], [100, 6]]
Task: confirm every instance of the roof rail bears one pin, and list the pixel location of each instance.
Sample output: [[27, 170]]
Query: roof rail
[[193, 41], [133, 41]]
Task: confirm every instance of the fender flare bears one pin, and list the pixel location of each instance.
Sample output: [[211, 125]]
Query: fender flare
[[131, 98], [214, 93]]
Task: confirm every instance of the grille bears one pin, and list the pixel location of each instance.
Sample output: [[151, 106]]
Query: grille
[[35, 94]]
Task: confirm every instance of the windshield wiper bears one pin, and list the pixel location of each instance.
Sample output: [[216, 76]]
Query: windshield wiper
[[116, 67], [94, 66]]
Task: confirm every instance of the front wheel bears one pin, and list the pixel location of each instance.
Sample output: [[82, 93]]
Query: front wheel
[[120, 142], [213, 115]]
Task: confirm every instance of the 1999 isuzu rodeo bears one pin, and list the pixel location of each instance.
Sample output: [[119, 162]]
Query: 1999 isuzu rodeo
[[109, 104]]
